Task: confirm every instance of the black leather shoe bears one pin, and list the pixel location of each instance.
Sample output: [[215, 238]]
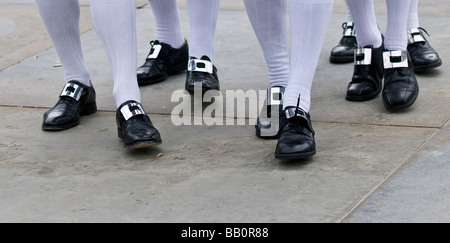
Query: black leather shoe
[[344, 52], [296, 139], [400, 84], [161, 62], [201, 73], [268, 124], [76, 99], [135, 127], [367, 77], [423, 56]]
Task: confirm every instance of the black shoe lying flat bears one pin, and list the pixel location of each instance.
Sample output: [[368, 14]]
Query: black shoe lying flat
[[400, 89], [135, 127], [76, 99], [423, 56], [344, 52], [161, 62], [296, 139], [201, 73], [268, 123]]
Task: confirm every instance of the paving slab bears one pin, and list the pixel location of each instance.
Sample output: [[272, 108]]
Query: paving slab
[[416, 193], [206, 174]]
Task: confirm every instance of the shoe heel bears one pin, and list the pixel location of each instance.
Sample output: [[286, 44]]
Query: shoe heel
[[119, 132], [89, 109]]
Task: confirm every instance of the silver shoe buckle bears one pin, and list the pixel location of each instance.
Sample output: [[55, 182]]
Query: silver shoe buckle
[[350, 29], [395, 59], [156, 51], [197, 65], [274, 96], [363, 56], [72, 90], [132, 109], [415, 36], [294, 112]]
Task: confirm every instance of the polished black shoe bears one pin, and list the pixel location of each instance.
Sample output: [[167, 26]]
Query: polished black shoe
[[75, 100], [202, 74], [161, 62], [270, 119], [367, 77], [423, 56], [344, 52], [296, 139], [135, 127], [400, 84]]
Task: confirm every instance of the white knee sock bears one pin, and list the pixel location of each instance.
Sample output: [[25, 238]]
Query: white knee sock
[[413, 16], [268, 19], [167, 22], [202, 19], [309, 21], [349, 14], [396, 33], [115, 24], [365, 23], [61, 18]]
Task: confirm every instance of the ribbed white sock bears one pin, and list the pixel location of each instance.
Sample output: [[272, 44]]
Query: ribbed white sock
[[202, 21], [268, 19], [365, 23], [115, 24], [349, 14], [167, 22], [396, 33], [61, 18], [309, 21], [413, 16]]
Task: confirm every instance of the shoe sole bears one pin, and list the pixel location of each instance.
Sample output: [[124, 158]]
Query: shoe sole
[[191, 90], [258, 134], [340, 60], [177, 69], [295, 155], [87, 110], [60, 128], [268, 137], [427, 67], [146, 81], [142, 144]]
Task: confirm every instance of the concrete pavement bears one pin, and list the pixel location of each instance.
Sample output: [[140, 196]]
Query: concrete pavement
[[371, 165]]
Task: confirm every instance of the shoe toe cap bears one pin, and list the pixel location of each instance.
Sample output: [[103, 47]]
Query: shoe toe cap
[[59, 118], [426, 59], [343, 51], [295, 145], [360, 89], [398, 98], [295, 148]]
